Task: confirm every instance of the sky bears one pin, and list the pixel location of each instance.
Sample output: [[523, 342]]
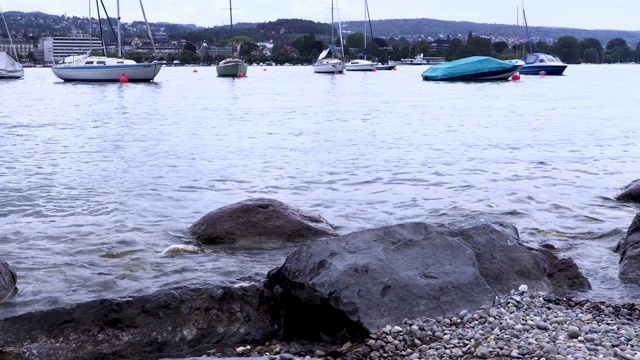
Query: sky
[[582, 14]]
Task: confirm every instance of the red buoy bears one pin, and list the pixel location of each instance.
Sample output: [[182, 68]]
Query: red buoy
[[265, 69], [240, 74], [124, 79], [374, 69], [515, 76], [195, 70], [542, 72], [394, 69]]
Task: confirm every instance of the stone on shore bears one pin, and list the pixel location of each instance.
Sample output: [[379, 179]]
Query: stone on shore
[[629, 250], [259, 220], [8, 280], [631, 192], [178, 322], [382, 276]]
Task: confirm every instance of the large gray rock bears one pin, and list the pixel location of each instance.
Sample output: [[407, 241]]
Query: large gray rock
[[8, 280], [629, 250], [504, 262], [179, 323], [382, 276], [258, 220], [631, 192]]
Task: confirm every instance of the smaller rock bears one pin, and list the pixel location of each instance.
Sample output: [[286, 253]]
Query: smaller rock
[[630, 192], [8, 280]]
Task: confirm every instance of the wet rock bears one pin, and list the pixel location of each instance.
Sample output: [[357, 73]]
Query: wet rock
[[8, 280], [178, 322], [259, 220], [629, 250], [381, 276], [631, 192]]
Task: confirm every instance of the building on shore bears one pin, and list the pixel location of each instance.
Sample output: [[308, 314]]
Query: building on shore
[[23, 46], [54, 48]]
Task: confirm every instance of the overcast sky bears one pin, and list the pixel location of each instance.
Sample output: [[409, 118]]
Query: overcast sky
[[583, 14]]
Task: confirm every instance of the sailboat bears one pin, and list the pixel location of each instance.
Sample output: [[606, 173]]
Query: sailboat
[[539, 63], [232, 66], [330, 60], [9, 68], [362, 64], [106, 69]]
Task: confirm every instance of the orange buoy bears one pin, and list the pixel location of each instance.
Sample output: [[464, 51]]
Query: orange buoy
[[124, 79], [542, 72], [515, 76], [240, 74]]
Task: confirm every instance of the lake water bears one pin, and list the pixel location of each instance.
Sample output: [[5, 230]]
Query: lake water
[[96, 180]]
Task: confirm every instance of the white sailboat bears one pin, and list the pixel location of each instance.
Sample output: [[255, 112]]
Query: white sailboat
[[362, 64], [9, 68], [330, 60], [106, 69]]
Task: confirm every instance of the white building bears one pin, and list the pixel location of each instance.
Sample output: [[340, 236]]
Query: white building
[[57, 48]]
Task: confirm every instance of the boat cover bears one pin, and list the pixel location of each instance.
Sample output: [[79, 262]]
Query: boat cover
[[9, 67], [466, 66]]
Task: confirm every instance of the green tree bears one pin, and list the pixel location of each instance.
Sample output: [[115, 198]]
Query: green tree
[[500, 46], [591, 56], [463, 52], [567, 49], [135, 56], [304, 44], [190, 47], [189, 57], [355, 41], [617, 42], [594, 44], [619, 50]]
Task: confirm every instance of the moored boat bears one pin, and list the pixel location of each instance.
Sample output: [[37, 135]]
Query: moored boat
[[233, 66], [362, 64], [106, 69], [542, 64], [330, 60], [9, 68], [420, 59], [473, 68], [90, 68]]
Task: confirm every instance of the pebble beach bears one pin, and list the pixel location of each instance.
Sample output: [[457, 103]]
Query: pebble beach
[[520, 325]]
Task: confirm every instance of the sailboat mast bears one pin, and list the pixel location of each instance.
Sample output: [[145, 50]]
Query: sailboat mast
[[230, 18], [119, 36], [333, 52], [526, 26], [15, 54], [90, 39], [153, 44], [365, 30]]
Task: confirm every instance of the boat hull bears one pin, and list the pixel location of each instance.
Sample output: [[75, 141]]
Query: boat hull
[[11, 74], [385, 67], [329, 67], [535, 69], [231, 70], [108, 73], [480, 76], [360, 65]]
